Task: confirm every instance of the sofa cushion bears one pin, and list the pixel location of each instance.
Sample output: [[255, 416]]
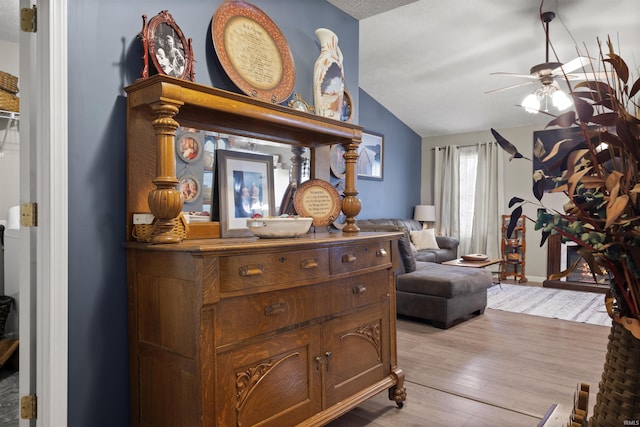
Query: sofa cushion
[[445, 281], [424, 239]]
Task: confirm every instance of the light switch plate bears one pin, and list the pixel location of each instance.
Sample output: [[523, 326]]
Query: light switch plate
[[143, 218]]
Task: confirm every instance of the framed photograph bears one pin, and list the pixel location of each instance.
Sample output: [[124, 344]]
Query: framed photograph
[[165, 45], [370, 156], [245, 188]]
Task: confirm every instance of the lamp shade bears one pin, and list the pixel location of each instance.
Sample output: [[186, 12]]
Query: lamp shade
[[424, 213]]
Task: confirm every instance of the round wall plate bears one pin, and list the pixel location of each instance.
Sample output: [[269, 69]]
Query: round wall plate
[[319, 200], [253, 51]]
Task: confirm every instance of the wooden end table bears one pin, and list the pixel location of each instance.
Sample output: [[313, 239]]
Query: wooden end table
[[477, 264]]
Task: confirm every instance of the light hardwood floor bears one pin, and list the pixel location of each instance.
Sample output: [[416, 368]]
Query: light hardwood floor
[[497, 369]]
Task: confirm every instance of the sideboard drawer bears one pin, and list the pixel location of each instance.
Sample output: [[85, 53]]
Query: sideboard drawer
[[267, 269], [242, 317], [355, 257], [360, 290]]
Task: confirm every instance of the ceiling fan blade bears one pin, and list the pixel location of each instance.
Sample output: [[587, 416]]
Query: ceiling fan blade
[[599, 75], [574, 64], [509, 87], [526, 76]]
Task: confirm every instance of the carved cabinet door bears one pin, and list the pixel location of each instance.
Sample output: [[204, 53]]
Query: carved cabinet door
[[273, 382], [356, 350]]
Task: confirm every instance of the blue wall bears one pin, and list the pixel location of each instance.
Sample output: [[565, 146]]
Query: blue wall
[[104, 57], [399, 192]]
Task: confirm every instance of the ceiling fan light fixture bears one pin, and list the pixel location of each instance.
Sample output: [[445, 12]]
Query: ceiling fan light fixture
[[560, 100], [531, 103]]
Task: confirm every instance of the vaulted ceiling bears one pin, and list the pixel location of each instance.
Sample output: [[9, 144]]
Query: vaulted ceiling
[[429, 61]]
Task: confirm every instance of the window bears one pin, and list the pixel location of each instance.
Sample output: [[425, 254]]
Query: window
[[468, 163]]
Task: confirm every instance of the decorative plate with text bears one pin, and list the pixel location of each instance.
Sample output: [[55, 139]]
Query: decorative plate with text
[[253, 51], [318, 199]]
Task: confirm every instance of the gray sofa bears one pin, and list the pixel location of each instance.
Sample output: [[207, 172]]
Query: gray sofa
[[448, 245], [427, 290]]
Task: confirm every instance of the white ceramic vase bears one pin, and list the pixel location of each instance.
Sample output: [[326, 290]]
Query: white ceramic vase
[[328, 76]]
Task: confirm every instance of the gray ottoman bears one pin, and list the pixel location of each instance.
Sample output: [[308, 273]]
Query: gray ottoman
[[441, 293]]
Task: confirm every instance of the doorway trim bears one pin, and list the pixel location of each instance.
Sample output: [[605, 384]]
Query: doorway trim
[[44, 167]]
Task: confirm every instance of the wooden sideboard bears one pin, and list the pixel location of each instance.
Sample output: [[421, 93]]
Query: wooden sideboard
[[244, 332], [247, 331]]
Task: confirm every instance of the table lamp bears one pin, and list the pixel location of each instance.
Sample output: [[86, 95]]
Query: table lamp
[[424, 214]]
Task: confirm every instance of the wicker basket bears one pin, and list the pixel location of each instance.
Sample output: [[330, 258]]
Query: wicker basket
[[8, 82], [618, 399], [144, 232], [9, 102], [5, 307]]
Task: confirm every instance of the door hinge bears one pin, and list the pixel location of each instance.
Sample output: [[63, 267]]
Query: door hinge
[[29, 19], [28, 407], [29, 214]]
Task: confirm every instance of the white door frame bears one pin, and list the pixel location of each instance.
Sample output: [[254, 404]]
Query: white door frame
[[44, 180]]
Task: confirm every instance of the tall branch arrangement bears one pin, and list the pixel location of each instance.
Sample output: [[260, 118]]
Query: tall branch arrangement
[[601, 181]]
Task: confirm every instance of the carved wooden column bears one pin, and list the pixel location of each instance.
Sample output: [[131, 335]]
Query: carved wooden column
[[351, 203], [165, 202]]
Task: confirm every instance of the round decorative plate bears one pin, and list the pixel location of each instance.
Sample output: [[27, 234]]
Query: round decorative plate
[[253, 51], [189, 187], [188, 148], [317, 199], [475, 257]]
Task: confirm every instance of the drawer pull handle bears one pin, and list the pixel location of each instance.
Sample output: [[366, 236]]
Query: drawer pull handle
[[307, 264], [348, 258], [381, 253], [274, 309], [251, 270], [359, 289]]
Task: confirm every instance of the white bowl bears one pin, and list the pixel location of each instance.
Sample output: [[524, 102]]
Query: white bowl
[[279, 227]]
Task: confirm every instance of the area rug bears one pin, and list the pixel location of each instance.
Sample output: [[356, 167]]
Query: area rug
[[576, 306]]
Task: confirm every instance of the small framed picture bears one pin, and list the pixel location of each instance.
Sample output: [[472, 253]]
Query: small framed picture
[[370, 156], [164, 43], [245, 188]]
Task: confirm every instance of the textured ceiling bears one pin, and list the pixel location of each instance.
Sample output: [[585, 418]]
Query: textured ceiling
[[361, 9], [429, 62]]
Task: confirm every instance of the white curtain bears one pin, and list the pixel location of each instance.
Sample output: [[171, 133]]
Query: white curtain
[[489, 201], [446, 190], [469, 196]]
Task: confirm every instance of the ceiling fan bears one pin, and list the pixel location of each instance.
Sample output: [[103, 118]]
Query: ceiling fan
[[546, 73]]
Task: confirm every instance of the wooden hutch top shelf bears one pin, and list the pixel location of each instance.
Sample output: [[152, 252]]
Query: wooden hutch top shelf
[[157, 106]]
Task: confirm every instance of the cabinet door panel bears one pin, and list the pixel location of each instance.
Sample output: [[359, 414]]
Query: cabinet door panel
[[274, 382], [358, 344]]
